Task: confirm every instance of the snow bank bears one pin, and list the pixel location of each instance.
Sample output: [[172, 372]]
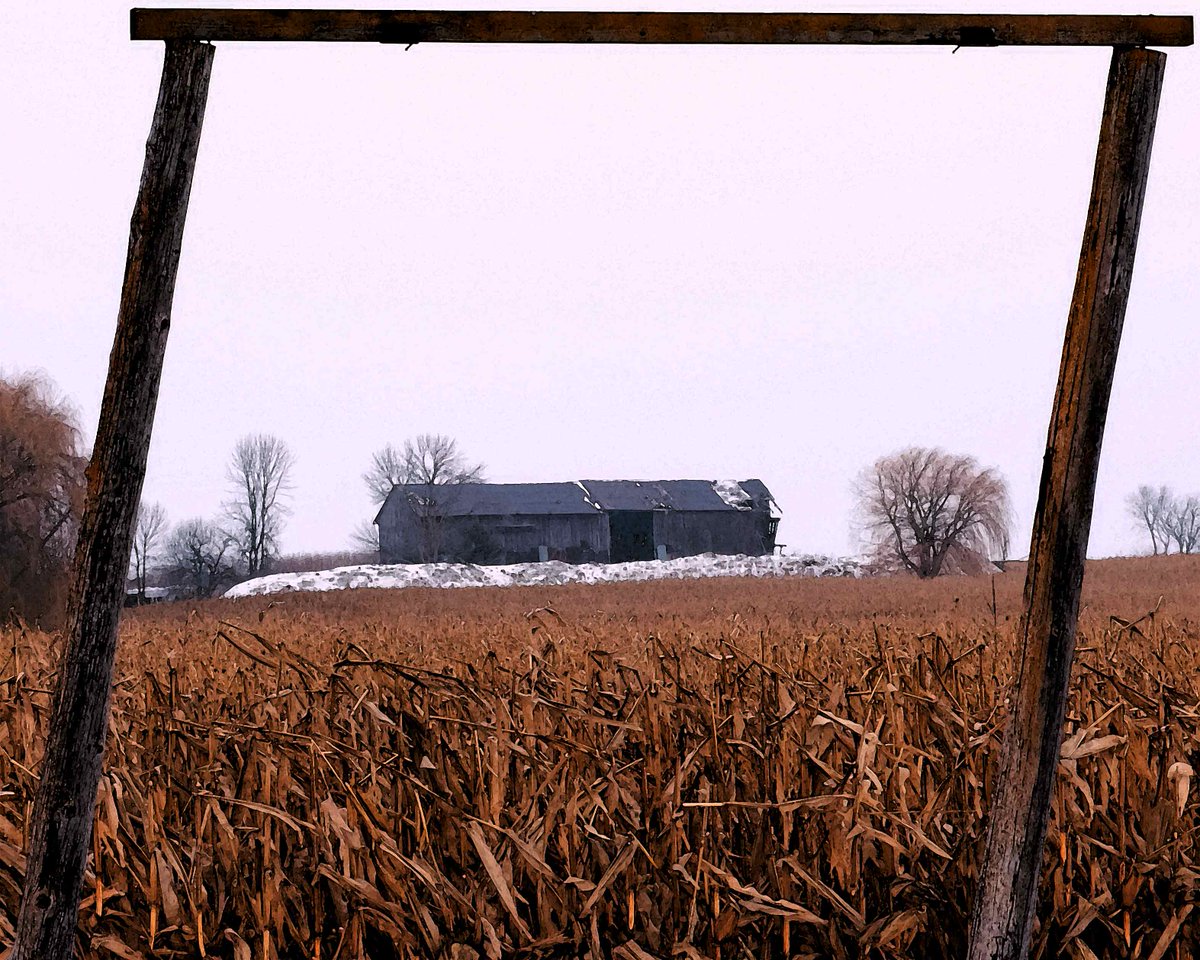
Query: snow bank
[[548, 573]]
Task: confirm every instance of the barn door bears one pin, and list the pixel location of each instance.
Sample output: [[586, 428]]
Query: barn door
[[631, 535]]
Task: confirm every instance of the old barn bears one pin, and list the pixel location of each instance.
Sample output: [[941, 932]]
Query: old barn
[[584, 521]]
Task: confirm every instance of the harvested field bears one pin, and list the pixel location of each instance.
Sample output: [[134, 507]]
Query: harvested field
[[720, 769]]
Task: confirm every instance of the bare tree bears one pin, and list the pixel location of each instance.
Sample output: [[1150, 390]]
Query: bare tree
[[365, 536], [1181, 523], [42, 487], [387, 469], [930, 512], [433, 468], [201, 556], [431, 465], [260, 473], [151, 525], [1150, 508], [434, 459]]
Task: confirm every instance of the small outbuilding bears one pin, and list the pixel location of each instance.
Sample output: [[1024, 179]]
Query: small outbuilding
[[597, 521]]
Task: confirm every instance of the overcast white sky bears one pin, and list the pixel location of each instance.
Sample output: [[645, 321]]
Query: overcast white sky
[[602, 261]]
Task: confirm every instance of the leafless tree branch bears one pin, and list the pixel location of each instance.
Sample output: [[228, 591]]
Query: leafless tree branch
[[151, 525], [260, 474], [928, 512], [432, 465]]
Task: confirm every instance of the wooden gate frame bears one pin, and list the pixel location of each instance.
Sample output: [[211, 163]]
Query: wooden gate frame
[[1005, 901]]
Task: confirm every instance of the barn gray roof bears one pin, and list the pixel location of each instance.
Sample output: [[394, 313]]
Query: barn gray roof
[[580, 497], [692, 495]]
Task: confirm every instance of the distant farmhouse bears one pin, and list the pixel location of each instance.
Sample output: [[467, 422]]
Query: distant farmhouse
[[605, 521]]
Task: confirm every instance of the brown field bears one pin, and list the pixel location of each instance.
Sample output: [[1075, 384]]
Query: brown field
[[721, 769]]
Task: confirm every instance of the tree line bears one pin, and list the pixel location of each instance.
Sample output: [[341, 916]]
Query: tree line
[[921, 510], [1169, 520], [201, 556], [43, 483]]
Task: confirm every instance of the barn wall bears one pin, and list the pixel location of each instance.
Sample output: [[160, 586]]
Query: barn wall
[[727, 532], [574, 538], [510, 539], [398, 540]]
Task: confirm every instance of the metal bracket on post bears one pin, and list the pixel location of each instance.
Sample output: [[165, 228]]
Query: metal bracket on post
[[1007, 894], [61, 825]]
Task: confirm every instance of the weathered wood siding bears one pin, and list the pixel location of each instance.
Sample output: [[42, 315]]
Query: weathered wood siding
[[574, 538], [686, 534], [579, 538]]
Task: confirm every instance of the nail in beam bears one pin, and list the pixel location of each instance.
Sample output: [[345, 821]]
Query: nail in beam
[[62, 814], [1007, 893]]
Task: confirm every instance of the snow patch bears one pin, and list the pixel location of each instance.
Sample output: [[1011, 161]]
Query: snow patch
[[548, 573], [732, 493], [587, 496]]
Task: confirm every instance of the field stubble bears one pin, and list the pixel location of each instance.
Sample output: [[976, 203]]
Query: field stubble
[[701, 769]]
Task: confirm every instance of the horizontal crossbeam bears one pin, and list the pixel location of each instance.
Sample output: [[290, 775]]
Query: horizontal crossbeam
[[519, 26]]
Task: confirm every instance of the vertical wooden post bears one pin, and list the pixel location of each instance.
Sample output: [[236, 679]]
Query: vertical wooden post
[[1002, 919], [61, 828]]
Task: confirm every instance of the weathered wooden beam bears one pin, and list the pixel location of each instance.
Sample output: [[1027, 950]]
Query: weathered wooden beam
[[1005, 900], [520, 26], [61, 826]]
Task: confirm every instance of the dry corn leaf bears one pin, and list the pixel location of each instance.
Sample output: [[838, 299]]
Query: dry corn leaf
[[118, 947], [619, 863], [300, 826], [241, 949], [169, 900], [759, 902], [631, 951], [824, 716], [373, 710], [496, 875], [883, 933], [838, 901], [1170, 933], [1180, 775], [1077, 746]]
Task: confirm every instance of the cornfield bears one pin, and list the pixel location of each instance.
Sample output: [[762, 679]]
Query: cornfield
[[709, 769]]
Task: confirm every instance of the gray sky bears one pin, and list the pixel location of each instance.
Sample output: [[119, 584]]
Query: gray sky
[[603, 262]]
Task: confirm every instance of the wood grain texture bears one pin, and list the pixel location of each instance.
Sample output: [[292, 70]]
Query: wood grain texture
[[519, 26], [1007, 895], [62, 818]]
